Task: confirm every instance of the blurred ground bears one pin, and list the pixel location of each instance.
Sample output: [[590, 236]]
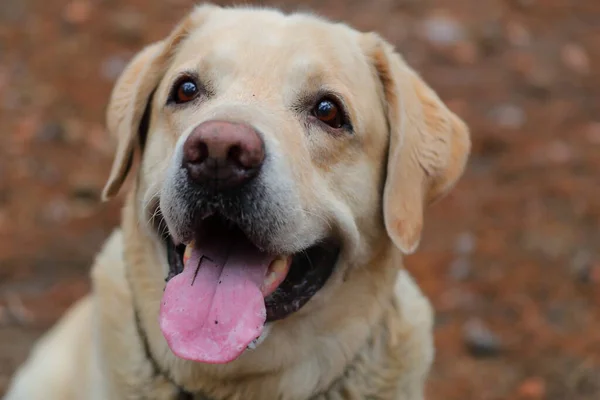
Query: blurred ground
[[510, 259]]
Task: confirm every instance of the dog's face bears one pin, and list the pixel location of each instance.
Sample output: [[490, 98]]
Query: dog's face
[[278, 152]]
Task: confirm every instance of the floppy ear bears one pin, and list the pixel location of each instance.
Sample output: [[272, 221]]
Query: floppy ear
[[132, 92], [128, 101], [428, 146]]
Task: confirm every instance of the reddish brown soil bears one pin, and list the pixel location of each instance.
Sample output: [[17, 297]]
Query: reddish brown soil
[[510, 258]]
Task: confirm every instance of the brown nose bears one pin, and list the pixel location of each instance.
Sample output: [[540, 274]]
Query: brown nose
[[223, 155]]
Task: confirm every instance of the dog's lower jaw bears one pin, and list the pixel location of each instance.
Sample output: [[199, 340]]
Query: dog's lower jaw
[[302, 348], [259, 340]]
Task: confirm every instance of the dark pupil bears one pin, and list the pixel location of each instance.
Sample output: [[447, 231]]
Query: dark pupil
[[325, 109], [188, 89]]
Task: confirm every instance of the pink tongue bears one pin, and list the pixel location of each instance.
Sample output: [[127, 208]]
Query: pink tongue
[[214, 308]]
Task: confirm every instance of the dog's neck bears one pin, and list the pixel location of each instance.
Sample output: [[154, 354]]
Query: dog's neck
[[368, 373], [347, 346]]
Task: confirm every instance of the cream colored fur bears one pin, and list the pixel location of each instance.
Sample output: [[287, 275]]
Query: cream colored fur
[[368, 333]]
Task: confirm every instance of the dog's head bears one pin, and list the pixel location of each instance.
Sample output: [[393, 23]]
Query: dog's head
[[276, 152]]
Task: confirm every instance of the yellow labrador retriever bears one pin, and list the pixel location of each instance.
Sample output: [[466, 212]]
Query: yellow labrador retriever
[[284, 166]]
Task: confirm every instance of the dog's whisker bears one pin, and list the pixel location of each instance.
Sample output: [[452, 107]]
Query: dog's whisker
[[322, 218]]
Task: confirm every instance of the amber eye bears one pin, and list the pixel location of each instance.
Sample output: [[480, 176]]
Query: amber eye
[[328, 112], [185, 90]]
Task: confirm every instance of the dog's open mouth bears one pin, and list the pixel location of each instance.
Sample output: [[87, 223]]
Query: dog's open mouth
[[222, 289]]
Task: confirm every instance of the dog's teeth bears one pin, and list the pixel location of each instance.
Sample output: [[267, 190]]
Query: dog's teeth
[[257, 342], [275, 275], [188, 252]]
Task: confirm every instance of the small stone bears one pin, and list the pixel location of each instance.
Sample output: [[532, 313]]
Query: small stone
[[97, 139], [400, 32], [57, 211], [595, 273], [77, 12], [465, 243], [465, 53], [4, 79], [460, 269], [4, 192], [4, 220], [558, 152], [443, 30], [585, 269], [51, 132], [576, 58], [508, 116], [480, 340], [532, 389], [580, 265], [17, 310], [458, 106], [522, 63], [75, 132], [457, 299], [25, 129], [84, 198], [128, 25], [111, 68], [593, 133], [524, 3], [13, 10], [49, 174], [407, 4], [85, 194], [517, 34], [490, 37], [4, 318], [541, 78], [552, 240]]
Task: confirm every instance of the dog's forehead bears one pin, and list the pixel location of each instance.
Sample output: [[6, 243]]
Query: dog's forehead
[[271, 29], [263, 42]]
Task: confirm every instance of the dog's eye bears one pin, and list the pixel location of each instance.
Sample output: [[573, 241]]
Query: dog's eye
[[328, 112], [185, 90]]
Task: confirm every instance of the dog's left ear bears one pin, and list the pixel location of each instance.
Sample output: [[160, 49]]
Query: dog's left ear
[[428, 145], [132, 92], [126, 107]]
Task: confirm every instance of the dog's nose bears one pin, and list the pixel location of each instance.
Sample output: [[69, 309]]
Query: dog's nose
[[223, 155]]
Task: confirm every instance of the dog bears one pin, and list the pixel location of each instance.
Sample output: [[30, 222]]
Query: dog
[[283, 163]]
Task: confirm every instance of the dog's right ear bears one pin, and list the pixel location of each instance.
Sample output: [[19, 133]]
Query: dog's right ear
[[428, 146], [132, 92]]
